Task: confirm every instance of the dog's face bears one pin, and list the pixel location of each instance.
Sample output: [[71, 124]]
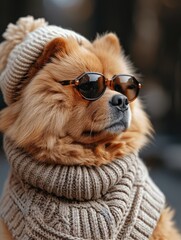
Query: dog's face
[[54, 122]]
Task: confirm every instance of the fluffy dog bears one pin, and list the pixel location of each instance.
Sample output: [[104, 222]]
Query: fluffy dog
[[49, 120]]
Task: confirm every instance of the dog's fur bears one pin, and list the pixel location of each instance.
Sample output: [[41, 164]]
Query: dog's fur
[[54, 123]]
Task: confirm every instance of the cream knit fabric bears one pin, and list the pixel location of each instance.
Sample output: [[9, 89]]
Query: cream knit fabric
[[23, 43], [51, 202]]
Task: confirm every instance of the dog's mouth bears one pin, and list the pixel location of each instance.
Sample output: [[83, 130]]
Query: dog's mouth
[[91, 133], [116, 127], [113, 128]]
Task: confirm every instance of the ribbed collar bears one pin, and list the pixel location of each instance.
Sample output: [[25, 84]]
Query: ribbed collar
[[72, 182]]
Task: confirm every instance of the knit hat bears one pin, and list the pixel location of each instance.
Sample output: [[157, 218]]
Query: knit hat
[[23, 44]]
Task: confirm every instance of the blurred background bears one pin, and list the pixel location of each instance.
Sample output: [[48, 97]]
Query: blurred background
[[150, 33]]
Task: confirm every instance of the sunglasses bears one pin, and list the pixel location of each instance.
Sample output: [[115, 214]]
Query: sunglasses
[[92, 85]]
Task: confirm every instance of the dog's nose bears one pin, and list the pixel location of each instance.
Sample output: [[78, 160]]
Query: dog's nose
[[120, 101]]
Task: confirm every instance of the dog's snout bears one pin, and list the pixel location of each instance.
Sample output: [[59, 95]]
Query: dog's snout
[[120, 101]]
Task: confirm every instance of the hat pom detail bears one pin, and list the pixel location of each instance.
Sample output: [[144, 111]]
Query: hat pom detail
[[15, 33]]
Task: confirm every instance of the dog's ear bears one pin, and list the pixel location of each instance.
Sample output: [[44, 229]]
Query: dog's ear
[[108, 42], [8, 116], [56, 47]]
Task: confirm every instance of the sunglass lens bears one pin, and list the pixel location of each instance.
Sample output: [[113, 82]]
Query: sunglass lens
[[126, 85], [91, 86]]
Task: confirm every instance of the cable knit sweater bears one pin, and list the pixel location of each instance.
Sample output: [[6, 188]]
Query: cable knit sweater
[[51, 202]]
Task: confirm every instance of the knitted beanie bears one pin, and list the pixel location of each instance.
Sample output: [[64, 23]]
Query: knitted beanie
[[117, 201], [23, 44]]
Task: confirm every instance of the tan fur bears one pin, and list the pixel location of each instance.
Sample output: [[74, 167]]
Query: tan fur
[[165, 229], [50, 120], [4, 232]]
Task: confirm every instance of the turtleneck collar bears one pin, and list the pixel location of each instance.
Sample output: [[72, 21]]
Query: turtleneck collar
[[72, 182], [50, 201]]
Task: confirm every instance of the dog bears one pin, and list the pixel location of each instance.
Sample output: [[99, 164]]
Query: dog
[[76, 106]]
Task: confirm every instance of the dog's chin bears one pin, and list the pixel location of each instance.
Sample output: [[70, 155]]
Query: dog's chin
[[116, 128], [118, 124], [109, 132]]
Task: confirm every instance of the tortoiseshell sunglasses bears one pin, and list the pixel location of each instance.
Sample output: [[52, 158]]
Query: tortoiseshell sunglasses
[[92, 85]]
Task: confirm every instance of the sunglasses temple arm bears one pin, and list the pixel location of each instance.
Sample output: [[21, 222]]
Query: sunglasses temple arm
[[68, 82]]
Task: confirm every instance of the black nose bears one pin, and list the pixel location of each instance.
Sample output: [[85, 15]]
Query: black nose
[[120, 101]]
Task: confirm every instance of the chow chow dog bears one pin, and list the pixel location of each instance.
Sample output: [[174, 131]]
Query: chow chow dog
[[77, 105]]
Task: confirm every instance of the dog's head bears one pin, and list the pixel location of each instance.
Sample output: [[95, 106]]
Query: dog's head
[[53, 121]]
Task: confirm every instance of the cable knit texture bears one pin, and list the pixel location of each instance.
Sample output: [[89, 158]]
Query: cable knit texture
[[48, 201], [23, 44]]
